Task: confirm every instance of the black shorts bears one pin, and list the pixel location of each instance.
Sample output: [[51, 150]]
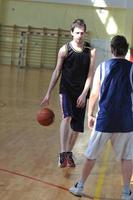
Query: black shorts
[[69, 109]]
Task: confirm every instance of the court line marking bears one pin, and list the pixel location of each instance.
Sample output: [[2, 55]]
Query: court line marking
[[102, 172], [33, 178], [99, 185]]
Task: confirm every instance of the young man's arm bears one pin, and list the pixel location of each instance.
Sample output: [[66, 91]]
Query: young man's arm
[[82, 98], [94, 97], [56, 73]]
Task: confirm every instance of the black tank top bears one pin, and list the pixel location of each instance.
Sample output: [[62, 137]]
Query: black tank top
[[75, 71]]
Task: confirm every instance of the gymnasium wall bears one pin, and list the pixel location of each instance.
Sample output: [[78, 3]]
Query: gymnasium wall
[[102, 23], [51, 15], [0, 10]]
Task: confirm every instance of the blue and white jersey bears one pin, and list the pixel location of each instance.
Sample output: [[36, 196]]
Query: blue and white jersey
[[116, 96]]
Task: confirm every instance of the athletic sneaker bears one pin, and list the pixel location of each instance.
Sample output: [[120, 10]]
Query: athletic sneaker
[[70, 160], [127, 196], [131, 196], [77, 190], [62, 160]]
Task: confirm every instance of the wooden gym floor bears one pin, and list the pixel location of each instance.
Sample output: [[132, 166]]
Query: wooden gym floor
[[29, 151]]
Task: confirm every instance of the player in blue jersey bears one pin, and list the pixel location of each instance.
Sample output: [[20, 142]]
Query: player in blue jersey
[[75, 64], [113, 85]]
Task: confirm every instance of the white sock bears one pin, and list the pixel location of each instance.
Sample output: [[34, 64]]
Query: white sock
[[80, 183], [126, 189]]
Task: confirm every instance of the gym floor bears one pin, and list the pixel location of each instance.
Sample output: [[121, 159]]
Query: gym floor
[[29, 152]]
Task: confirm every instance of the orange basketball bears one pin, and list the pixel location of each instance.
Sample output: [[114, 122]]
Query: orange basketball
[[45, 116]]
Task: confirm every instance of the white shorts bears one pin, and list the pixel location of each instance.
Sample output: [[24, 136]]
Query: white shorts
[[122, 144]]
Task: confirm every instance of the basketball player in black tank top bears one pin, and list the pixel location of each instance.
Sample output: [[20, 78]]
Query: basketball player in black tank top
[[75, 64]]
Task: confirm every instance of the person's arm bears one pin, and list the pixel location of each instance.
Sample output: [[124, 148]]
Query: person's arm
[[55, 75], [94, 97], [82, 98]]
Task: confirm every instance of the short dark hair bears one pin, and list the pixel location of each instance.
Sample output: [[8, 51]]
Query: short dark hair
[[78, 23], [119, 45]]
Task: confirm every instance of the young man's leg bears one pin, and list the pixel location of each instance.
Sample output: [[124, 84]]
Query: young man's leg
[[96, 145], [127, 169], [68, 137], [67, 141], [64, 134], [72, 140], [87, 167], [70, 144], [76, 127], [77, 189], [122, 143]]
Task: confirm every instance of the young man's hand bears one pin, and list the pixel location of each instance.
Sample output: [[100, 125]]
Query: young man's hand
[[91, 121], [45, 101], [81, 101]]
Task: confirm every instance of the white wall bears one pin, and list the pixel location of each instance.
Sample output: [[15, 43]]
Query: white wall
[[102, 50]]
